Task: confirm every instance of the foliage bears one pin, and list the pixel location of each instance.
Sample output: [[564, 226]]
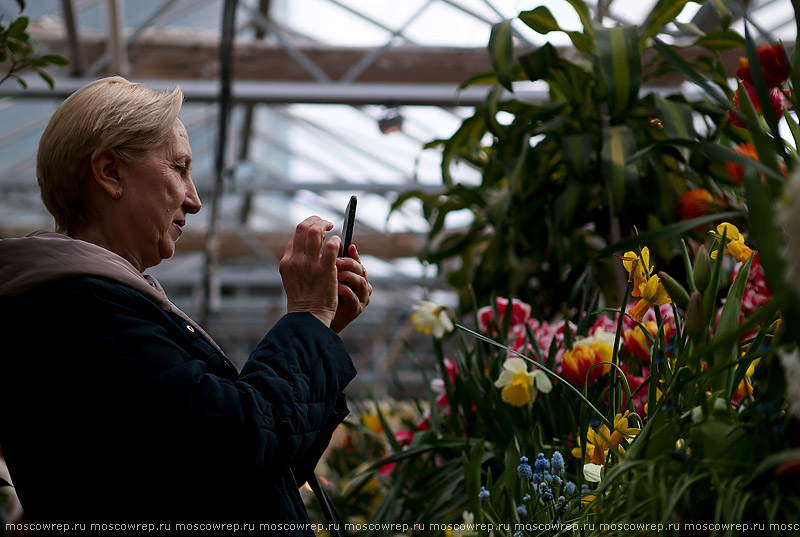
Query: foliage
[[18, 52], [354, 447], [674, 405], [564, 178]]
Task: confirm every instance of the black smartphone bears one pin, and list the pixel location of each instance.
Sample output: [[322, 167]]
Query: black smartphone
[[347, 228]]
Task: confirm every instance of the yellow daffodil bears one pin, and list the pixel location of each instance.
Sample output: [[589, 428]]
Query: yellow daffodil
[[430, 318], [734, 242], [521, 386], [598, 442], [372, 422], [622, 429], [745, 388], [587, 498], [639, 269], [653, 294]]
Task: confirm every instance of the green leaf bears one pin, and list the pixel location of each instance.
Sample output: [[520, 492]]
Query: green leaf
[[479, 79], [516, 176], [793, 127], [567, 205], [490, 112], [17, 29], [577, 151], [620, 61], [582, 9], [501, 51], [581, 42], [724, 13], [691, 74], [762, 92], [765, 234], [717, 152], [775, 459], [729, 323], [54, 60], [689, 28], [664, 12], [540, 62], [47, 79], [618, 145], [472, 474], [761, 140], [720, 40], [511, 460], [540, 20], [404, 197], [678, 121], [670, 230], [472, 128]]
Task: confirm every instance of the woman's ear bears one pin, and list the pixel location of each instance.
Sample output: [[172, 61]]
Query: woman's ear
[[105, 171]]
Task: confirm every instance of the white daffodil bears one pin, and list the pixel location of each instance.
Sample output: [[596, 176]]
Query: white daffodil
[[521, 386], [430, 318], [591, 472]]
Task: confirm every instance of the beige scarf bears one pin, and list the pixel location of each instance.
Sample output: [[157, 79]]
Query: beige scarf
[[43, 256]]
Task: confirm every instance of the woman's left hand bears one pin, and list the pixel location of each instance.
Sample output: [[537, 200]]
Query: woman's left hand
[[353, 287]]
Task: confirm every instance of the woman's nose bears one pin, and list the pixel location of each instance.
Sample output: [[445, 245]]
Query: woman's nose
[[192, 201]]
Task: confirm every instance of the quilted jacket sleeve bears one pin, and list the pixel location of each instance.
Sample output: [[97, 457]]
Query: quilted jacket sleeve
[[277, 413]]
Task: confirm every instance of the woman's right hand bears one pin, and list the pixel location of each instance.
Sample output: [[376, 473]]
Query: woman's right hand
[[308, 270]]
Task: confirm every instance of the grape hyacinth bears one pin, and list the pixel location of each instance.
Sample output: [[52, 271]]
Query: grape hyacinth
[[524, 469], [557, 464]]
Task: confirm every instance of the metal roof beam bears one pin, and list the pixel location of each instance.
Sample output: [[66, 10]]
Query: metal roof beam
[[294, 92]]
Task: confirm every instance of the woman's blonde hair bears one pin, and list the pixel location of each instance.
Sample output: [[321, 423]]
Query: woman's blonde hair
[[110, 113]]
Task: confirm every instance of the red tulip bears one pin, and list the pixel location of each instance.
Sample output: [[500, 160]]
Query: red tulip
[[777, 98], [774, 63]]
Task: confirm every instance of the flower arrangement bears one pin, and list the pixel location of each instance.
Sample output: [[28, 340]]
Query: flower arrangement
[[581, 404]]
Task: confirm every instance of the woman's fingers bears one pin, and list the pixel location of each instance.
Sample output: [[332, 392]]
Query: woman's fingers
[[308, 270], [353, 288], [310, 233]]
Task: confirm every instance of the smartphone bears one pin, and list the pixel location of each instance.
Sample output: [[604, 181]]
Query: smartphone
[[347, 227]]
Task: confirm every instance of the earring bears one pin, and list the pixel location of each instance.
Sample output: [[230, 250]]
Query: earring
[[119, 194]]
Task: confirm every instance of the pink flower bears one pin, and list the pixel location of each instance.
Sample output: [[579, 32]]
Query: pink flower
[[404, 437], [756, 290], [549, 333], [425, 423], [452, 370], [520, 313], [604, 323]]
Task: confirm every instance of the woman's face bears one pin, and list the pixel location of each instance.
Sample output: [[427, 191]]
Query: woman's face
[[158, 193]]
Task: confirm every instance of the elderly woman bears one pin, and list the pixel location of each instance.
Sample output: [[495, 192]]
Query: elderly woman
[[116, 406]]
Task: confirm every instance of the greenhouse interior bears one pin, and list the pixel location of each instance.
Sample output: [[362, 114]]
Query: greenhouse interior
[[576, 219]]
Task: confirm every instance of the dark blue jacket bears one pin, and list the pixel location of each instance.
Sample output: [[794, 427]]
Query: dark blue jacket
[[115, 410]]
